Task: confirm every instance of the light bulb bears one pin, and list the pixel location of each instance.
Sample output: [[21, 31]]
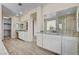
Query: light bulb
[[20, 13]]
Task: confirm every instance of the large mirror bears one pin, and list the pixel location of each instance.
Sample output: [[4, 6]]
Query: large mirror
[[50, 25], [63, 22]]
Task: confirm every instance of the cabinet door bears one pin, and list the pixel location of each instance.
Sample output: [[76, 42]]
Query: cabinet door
[[69, 45], [46, 41], [52, 43], [56, 44], [39, 40]]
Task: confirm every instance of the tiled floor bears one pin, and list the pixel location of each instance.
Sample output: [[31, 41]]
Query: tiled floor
[[19, 47]]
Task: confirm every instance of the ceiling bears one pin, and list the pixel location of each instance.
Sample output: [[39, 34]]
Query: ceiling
[[14, 7]]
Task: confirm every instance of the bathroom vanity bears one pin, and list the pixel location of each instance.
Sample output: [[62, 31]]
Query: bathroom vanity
[[58, 44], [61, 32]]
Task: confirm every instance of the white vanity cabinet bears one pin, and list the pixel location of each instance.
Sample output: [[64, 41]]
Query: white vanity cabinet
[[65, 45], [52, 43], [69, 45]]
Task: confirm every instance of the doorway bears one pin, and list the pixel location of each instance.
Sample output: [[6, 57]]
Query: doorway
[[34, 18], [7, 27]]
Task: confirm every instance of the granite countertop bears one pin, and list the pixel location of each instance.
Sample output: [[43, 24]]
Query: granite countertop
[[50, 33], [61, 34], [21, 30]]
